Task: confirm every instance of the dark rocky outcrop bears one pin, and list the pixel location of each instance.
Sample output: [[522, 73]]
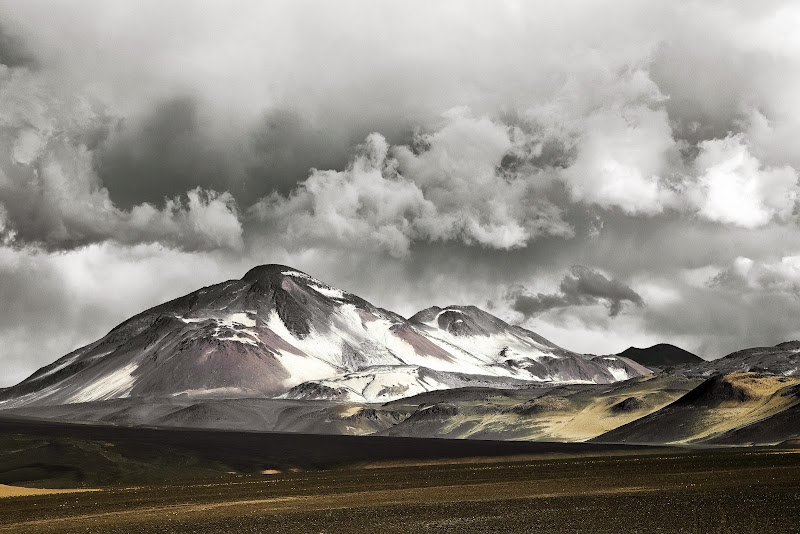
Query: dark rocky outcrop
[[631, 404]]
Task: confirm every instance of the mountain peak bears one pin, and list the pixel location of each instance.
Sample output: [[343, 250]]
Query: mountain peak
[[271, 270], [430, 314], [662, 354], [278, 328], [469, 321]]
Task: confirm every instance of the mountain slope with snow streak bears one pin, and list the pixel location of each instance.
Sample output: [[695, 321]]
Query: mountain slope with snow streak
[[278, 331], [474, 333]]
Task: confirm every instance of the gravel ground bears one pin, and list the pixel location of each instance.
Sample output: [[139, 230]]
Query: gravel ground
[[716, 491]]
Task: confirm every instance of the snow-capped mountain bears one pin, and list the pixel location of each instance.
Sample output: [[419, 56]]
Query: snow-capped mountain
[[280, 332]]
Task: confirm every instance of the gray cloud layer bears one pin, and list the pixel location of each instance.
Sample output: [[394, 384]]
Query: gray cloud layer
[[460, 153], [583, 286]]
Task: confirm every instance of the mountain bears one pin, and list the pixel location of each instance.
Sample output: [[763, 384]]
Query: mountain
[[278, 332], [750, 396], [536, 411], [565, 413], [735, 408], [660, 355], [783, 359]]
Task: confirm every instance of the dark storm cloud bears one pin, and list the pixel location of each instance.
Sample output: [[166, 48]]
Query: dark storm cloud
[[285, 146], [172, 150], [583, 286], [162, 155], [52, 197], [13, 52]]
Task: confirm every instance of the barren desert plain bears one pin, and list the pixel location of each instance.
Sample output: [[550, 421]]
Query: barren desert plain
[[151, 480]]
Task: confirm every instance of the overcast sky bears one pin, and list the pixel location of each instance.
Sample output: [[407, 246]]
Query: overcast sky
[[604, 173]]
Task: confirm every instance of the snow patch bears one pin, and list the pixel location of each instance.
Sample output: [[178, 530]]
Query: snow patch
[[215, 392], [239, 322], [33, 396], [238, 338], [618, 374], [321, 346], [193, 319], [304, 368], [117, 384], [330, 292], [240, 318], [234, 320], [303, 276], [384, 383], [60, 366], [484, 351], [320, 287]]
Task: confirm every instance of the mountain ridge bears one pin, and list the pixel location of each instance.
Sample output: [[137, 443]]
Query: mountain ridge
[[277, 328]]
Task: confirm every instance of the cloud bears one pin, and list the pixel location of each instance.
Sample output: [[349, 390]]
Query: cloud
[[733, 187], [253, 109], [366, 205], [51, 195], [13, 52], [620, 135], [747, 276], [448, 187], [583, 286], [163, 154], [621, 159]]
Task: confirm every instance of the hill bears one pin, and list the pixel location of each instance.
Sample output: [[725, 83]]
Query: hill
[[660, 355]]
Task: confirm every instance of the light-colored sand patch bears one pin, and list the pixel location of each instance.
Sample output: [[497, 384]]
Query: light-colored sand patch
[[350, 411], [596, 418], [572, 425], [760, 386], [270, 472], [19, 491], [766, 399], [716, 422]]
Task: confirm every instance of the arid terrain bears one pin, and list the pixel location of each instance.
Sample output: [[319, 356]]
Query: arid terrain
[[148, 480], [730, 491]]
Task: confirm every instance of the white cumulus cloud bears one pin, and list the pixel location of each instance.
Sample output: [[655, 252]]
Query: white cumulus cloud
[[449, 188], [734, 187]]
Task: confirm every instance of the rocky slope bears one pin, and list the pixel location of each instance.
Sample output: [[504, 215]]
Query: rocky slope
[[736, 408], [781, 359]]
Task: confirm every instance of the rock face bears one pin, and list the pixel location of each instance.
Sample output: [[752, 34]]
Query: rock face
[[631, 404], [280, 332], [783, 358]]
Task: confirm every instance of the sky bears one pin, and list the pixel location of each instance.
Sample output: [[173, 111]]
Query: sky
[[606, 173]]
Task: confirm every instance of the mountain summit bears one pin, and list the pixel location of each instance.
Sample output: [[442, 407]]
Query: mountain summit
[[280, 332], [661, 355]]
